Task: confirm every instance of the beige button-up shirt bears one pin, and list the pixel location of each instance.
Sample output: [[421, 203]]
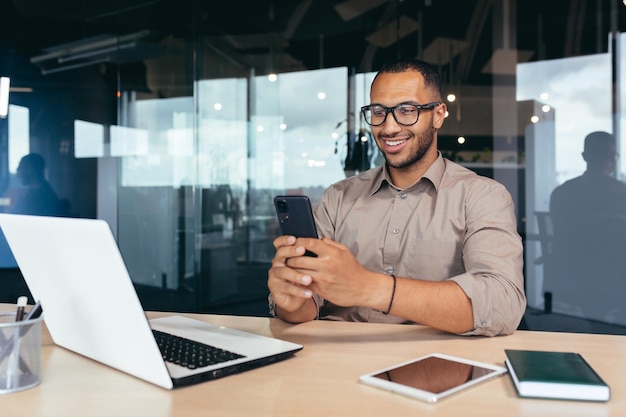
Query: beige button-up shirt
[[451, 224]]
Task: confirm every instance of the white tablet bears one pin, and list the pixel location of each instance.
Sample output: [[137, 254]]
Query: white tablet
[[432, 377]]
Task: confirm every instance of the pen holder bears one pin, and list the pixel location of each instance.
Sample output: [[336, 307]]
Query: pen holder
[[20, 352]]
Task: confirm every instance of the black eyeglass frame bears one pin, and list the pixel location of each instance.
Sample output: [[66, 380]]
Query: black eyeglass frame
[[419, 107]]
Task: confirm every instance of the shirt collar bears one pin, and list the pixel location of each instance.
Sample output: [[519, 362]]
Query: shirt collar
[[434, 174]]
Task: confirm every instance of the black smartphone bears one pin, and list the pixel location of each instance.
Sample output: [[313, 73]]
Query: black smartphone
[[295, 216]]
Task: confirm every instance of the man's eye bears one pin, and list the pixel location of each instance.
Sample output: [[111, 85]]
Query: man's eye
[[406, 110], [377, 111]]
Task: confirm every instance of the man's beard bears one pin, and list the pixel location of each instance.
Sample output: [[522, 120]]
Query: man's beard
[[424, 142]]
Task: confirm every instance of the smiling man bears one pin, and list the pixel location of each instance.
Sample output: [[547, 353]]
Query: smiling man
[[418, 240]]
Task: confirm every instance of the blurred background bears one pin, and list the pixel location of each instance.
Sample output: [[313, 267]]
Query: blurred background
[[178, 121]]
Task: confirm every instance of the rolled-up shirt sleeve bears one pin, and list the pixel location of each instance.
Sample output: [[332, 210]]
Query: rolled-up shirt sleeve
[[493, 261]]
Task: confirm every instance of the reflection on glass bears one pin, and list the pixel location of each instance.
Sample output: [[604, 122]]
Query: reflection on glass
[[293, 100], [88, 139], [569, 83], [19, 135], [128, 141], [578, 93]]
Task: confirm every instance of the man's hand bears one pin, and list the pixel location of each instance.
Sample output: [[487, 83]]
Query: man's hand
[[337, 276], [289, 287]]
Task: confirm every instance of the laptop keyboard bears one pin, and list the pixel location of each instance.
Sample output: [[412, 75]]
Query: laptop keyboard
[[189, 353]]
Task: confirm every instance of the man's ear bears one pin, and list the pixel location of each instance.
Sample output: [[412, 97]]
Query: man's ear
[[439, 115]]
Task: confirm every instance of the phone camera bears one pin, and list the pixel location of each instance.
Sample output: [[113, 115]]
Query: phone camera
[[282, 206]]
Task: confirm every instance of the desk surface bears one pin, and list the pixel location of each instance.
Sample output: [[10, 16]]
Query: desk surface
[[320, 380]]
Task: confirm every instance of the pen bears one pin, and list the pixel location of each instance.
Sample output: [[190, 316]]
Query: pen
[[21, 303], [34, 312], [12, 376]]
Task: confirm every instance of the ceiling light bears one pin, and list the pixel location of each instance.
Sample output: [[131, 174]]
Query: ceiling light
[[90, 54], [99, 49], [21, 89], [86, 46]]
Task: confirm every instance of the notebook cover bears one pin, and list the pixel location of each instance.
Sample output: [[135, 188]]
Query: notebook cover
[[558, 375]]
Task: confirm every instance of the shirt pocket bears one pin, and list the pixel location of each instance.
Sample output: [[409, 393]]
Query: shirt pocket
[[434, 260]]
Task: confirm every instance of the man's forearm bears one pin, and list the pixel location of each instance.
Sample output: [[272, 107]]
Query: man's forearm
[[441, 305]]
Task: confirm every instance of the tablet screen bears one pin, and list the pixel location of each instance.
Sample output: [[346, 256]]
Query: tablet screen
[[434, 374], [432, 377]]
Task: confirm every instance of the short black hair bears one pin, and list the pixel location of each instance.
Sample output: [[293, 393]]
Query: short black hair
[[35, 161], [599, 142], [432, 77]]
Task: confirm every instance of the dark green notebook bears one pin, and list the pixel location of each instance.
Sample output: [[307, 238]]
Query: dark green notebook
[[557, 375]]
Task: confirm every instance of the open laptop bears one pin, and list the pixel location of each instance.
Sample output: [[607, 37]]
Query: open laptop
[[74, 267]]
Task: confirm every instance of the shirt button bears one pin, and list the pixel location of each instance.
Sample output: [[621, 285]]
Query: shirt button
[[484, 324], [390, 270], [396, 231], [403, 196]]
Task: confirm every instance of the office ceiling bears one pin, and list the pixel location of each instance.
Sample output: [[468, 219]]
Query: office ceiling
[[289, 35]]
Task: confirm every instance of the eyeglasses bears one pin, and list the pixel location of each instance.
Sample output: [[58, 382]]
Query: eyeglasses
[[404, 114]]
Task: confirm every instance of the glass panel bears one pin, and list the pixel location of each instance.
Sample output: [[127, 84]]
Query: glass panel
[[223, 187], [292, 130], [286, 147], [162, 119], [559, 91], [155, 160]]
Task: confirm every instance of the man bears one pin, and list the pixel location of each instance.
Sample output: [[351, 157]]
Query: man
[[37, 197], [419, 240], [596, 192], [588, 215]]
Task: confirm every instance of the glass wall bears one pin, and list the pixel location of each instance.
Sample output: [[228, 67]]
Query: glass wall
[[177, 123]]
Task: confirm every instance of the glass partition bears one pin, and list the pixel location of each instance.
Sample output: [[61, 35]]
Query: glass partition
[[177, 123]]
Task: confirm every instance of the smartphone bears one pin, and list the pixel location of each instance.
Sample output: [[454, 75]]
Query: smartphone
[[295, 216], [432, 377]]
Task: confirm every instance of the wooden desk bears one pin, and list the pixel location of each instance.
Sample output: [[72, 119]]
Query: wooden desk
[[320, 380]]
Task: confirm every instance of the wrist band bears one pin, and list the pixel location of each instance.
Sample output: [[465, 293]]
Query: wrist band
[[393, 294]]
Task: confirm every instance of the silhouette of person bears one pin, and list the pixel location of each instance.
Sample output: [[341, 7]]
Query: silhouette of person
[[37, 197], [596, 192], [589, 226]]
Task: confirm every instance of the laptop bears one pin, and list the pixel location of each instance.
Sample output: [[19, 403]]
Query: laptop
[[75, 269]]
